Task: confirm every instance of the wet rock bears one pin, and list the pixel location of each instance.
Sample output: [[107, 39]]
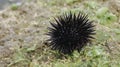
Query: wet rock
[[5, 52]]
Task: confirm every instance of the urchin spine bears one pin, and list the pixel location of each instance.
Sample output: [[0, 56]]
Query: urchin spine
[[70, 32]]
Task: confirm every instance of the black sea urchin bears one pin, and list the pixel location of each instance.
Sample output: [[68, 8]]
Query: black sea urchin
[[70, 32]]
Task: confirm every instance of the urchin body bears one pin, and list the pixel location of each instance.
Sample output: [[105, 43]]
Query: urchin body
[[70, 32]]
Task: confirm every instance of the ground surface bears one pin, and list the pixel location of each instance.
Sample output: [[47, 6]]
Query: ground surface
[[23, 29]]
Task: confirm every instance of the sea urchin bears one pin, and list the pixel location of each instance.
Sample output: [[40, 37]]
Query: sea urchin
[[70, 32]]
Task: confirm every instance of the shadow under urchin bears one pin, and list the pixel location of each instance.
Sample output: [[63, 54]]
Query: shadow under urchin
[[70, 32]]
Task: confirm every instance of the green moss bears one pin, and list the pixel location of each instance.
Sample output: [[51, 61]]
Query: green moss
[[14, 6], [105, 17]]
